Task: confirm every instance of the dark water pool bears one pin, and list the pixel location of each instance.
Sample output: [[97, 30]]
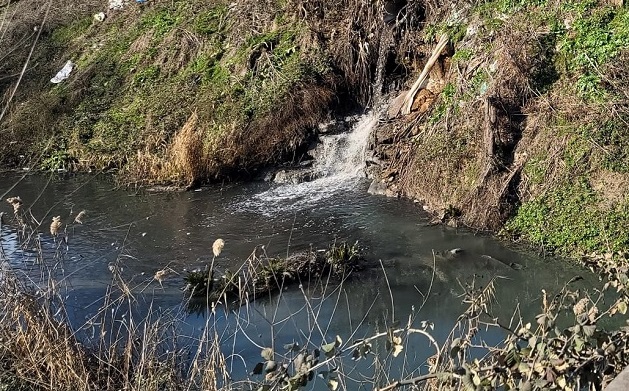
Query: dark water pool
[[147, 231]]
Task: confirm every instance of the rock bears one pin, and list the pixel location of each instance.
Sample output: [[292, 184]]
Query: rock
[[517, 266], [456, 251], [373, 160], [377, 187], [306, 163], [294, 176], [333, 127]]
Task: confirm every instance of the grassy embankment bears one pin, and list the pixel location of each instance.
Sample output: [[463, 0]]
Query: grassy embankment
[[183, 92], [169, 91], [526, 130]]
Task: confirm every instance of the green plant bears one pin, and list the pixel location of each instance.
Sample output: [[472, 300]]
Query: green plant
[[612, 136], [446, 103], [343, 257], [597, 35], [535, 169], [212, 21], [59, 159], [161, 21], [567, 219], [462, 55], [146, 75], [63, 35]]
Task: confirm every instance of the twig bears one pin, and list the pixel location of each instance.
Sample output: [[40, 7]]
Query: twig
[[414, 380]]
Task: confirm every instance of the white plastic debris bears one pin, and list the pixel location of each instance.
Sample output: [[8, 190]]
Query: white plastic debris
[[99, 17], [116, 4], [64, 73]]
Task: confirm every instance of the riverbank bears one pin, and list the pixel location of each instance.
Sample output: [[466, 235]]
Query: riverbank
[[519, 128]]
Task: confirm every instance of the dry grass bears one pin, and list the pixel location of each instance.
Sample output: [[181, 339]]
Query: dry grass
[[183, 163], [37, 349], [275, 136], [186, 155], [41, 348]]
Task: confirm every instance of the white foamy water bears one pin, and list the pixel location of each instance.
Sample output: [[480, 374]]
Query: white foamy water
[[339, 166]]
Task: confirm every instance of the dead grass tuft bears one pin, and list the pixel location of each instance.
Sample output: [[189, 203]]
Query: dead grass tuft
[[35, 347], [183, 161], [186, 156]]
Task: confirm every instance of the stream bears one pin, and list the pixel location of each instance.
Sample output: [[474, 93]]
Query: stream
[[146, 231]]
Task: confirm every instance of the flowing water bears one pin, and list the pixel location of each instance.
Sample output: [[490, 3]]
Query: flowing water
[[147, 231]]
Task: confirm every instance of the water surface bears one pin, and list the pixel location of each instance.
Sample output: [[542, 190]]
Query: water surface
[[147, 231]]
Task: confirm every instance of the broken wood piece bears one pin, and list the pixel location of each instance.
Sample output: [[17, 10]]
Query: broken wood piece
[[407, 105]]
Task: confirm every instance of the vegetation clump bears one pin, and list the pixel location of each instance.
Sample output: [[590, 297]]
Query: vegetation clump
[[262, 275]]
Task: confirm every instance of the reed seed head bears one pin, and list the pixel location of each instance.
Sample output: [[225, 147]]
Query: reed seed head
[[161, 275], [79, 218], [217, 247], [16, 202], [55, 226]]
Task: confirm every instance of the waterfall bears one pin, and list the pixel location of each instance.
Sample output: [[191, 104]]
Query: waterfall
[[342, 156], [339, 159], [338, 166]]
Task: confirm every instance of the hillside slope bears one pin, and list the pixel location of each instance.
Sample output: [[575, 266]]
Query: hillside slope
[[525, 123]]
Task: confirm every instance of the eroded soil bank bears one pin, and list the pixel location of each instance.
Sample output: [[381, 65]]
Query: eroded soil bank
[[520, 126]]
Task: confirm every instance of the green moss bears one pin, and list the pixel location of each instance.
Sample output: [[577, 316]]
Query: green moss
[[211, 22], [612, 140], [536, 168], [569, 220], [161, 21], [597, 35], [577, 153]]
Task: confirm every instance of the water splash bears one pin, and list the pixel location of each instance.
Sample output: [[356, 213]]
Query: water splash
[[339, 166]]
